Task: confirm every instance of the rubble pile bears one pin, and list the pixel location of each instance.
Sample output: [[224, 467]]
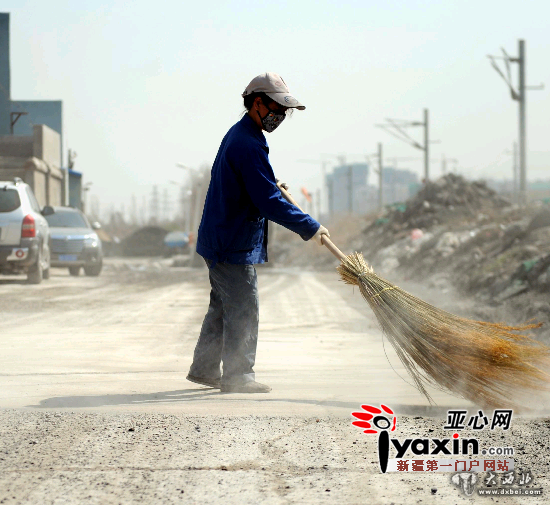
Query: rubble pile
[[467, 234], [448, 201], [507, 260], [449, 197]]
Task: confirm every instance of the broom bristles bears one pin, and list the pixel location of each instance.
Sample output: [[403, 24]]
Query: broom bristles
[[486, 363]]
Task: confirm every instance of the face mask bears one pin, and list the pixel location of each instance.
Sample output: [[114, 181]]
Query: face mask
[[272, 120]]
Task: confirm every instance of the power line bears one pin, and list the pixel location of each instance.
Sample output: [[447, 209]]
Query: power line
[[396, 128], [519, 96]]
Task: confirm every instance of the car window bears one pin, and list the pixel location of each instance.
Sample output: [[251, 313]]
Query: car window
[[34, 204], [9, 199], [63, 219]]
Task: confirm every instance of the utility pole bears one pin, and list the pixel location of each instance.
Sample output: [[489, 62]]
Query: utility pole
[[134, 210], [318, 201], [70, 165], [330, 197], [396, 127], [426, 147], [520, 97], [200, 187], [154, 217], [323, 191], [380, 172], [166, 205], [522, 126], [350, 189], [515, 196], [380, 178], [143, 211], [182, 216]]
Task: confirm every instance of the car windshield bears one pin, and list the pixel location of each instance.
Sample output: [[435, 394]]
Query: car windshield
[[60, 219], [9, 199]]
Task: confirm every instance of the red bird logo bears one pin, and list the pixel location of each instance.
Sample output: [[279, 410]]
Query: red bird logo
[[375, 416]]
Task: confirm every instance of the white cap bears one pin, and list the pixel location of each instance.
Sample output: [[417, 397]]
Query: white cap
[[275, 88]]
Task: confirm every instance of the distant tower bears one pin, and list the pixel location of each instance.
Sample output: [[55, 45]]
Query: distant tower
[[154, 205], [166, 204], [133, 217], [143, 211]]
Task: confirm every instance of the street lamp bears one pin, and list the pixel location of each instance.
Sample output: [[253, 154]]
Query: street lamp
[[198, 186], [194, 182], [192, 171], [185, 201]]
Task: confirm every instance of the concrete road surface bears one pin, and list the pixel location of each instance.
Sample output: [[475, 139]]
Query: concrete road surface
[[96, 408]]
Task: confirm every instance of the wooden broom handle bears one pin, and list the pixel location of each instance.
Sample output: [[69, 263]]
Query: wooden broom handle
[[324, 239]]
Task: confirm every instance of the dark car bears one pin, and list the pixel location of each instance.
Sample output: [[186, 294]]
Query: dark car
[[74, 242], [147, 241]]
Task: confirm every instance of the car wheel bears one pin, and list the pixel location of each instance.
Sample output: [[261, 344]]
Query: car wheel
[[35, 272], [74, 271], [93, 270]]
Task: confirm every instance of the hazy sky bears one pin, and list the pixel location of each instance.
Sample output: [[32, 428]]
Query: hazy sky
[[148, 84]]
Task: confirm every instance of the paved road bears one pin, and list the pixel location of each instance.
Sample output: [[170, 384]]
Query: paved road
[[125, 341], [96, 408]]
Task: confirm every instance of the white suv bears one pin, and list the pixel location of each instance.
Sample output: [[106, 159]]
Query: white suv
[[24, 232]]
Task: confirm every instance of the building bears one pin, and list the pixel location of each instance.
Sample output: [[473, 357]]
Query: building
[[538, 189], [48, 112], [18, 118], [346, 187], [35, 159], [398, 185]]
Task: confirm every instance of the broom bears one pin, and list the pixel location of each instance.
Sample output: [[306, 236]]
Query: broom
[[486, 363]]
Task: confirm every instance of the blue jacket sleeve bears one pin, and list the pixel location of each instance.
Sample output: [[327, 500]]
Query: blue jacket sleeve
[[258, 177]]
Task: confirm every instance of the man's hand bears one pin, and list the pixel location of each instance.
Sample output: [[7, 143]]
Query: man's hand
[[320, 232], [283, 185]]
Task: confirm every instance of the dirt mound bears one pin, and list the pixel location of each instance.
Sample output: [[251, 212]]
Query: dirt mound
[[147, 241], [471, 239], [448, 200]]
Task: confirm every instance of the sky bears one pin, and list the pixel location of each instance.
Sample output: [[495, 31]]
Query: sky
[[146, 85]]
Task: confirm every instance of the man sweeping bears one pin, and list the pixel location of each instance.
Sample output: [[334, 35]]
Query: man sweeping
[[242, 197]]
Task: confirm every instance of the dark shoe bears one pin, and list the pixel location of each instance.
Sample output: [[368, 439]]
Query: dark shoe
[[247, 387], [213, 383]]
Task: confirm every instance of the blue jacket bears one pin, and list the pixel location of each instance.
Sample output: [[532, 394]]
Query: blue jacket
[[242, 196]]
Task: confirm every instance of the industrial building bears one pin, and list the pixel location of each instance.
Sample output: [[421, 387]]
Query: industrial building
[[28, 128], [349, 192], [398, 185], [346, 189]]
